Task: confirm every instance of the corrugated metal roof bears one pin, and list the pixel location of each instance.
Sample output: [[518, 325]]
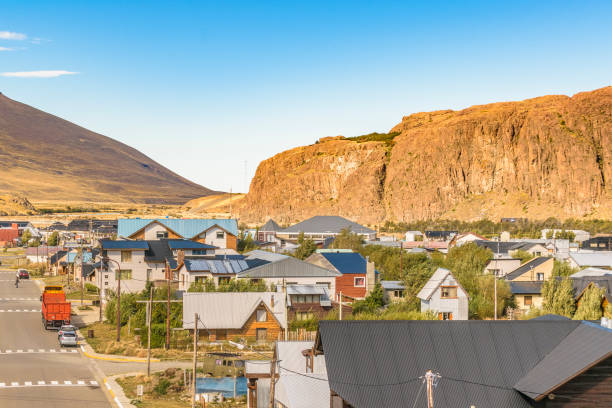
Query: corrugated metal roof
[[600, 258], [327, 224], [479, 361], [111, 244], [604, 282], [187, 228], [346, 262], [287, 268], [303, 391], [270, 226], [229, 310], [525, 287], [215, 265], [527, 266], [591, 272], [392, 285], [582, 348], [321, 290], [187, 244], [257, 366]]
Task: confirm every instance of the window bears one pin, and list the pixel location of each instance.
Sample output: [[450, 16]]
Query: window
[[540, 276], [445, 316], [538, 253], [360, 282], [106, 276], [593, 244], [398, 293], [528, 301], [198, 252], [105, 283], [200, 278], [304, 315], [149, 272], [448, 292], [224, 279], [161, 234], [262, 315], [494, 272], [324, 284], [125, 274], [261, 334], [220, 234], [126, 256], [182, 278]]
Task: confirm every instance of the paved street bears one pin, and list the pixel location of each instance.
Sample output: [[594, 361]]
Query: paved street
[[34, 370]]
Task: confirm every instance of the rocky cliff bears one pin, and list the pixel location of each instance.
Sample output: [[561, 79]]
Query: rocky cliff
[[547, 156]]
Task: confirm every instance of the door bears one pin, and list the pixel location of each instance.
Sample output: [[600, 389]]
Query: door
[[261, 334]]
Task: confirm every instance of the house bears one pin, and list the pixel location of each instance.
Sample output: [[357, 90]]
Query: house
[[88, 229], [591, 272], [306, 302], [598, 243], [257, 374], [57, 264], [599, 259], [220, 271], [501, 266], [267, 232], [444, 295], [40, 253], [9, 236], [444, 236], [226, 315], [461, 239], [221, 233], [502, 364], [321, 227], [393, 290], [412, 236], [507, 248], [292, 271], [357, 275], [580, 284], [21, 227], [526, 281]]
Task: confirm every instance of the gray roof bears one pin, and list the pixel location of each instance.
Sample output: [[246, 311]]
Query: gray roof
[[605, 282], [270, 226], [287, 268], [257, 366], [229, 310], [591, 272], [265, 255], [392, 285], [480, 362], [526, 267], [525, 288], [321, 290], [599, 258], [327, 224], [216, 266]]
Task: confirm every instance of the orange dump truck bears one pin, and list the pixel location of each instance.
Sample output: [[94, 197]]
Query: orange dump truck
[[55, 309]]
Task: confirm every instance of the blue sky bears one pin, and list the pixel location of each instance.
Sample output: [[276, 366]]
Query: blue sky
[[202, 87]]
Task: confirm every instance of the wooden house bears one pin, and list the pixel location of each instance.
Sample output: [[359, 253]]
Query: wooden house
[[526, 282], [444, 295]]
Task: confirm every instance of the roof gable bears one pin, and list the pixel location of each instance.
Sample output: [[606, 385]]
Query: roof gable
[[330, 224], [528, 266], [186, 228], [434, 283], [346, 262], [287, 268]]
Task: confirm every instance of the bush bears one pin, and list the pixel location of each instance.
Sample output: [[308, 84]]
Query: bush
[[162, 387], [308, 324], [90, 287], [158, 335]]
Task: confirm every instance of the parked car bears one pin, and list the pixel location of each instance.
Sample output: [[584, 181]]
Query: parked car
[[66, 328], [68, 339], [23, 274]]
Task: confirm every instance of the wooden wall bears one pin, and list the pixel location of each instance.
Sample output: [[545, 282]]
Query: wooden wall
[[248, 330], [346, 285]]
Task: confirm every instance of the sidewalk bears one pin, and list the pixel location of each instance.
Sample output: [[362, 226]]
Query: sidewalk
[[88, 351], [117, 392]]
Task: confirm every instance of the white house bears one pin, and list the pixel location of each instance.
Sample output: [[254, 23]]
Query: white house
[[501, 266], [443, 295]]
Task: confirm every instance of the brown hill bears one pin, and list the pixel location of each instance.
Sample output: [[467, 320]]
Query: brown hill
[[47, 158], [547, 156]]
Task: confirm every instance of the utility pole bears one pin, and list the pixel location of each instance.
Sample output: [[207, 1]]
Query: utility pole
[[431, 380], [340, 311], [195, 359], [495, 277], [81, 277], [168, 310], [150, 312], [273, 379]]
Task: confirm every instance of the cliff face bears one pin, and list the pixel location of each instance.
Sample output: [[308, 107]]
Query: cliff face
[[548, 156]]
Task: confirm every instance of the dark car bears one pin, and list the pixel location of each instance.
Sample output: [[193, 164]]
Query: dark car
[[23, 274]]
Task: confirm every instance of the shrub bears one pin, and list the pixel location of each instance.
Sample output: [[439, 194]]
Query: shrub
[[90, 287], [162, 387], [158, 335]]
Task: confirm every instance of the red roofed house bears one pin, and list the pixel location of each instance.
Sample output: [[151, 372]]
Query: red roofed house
[[9, 236]]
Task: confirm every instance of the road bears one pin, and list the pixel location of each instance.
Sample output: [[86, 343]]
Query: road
[[34, 370]]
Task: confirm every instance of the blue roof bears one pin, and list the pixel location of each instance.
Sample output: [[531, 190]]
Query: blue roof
[[73, 255], [187, 228], [187, 244], [110, 244], [351, 262]]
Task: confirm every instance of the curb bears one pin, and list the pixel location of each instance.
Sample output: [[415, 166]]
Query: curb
[[116, 391], [114, 359]]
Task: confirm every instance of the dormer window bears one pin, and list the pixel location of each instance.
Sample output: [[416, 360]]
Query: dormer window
[[161, 234]]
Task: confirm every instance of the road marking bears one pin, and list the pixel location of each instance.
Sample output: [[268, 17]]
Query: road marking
[[2, 385], [27, 383], [20, 311], [32, 351], [66, 383], [41, 383], [54, 382], [8, 299]]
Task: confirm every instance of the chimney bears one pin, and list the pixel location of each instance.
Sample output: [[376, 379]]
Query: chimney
[[272, 301], [180, 257], [370, 275], [14, 226]]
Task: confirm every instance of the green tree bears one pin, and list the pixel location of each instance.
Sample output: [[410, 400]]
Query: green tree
[[372, 302], [562, 268], [347, 240], [590, 303], [306, 247], [558, 297], [524, 256], [247, 244], [53, 239], [26, 236]]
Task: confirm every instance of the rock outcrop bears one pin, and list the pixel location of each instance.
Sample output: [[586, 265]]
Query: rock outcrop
[[547, 156]]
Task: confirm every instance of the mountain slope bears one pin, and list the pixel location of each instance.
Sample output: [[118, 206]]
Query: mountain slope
[[47, 158], [547, 156]]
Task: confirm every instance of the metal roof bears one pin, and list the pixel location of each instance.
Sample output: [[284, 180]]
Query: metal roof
[[287, 268], [527, 266], [327, 224], [229, 310], [524, 287], [479, 361], [432, 284], [605, 282], [231, 266], [321, 290], [600, 258], [591, 272], [270, 226], [158, 251], [110, 244], [265, 255], [346, 262], [187, 228], [392, 285]]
